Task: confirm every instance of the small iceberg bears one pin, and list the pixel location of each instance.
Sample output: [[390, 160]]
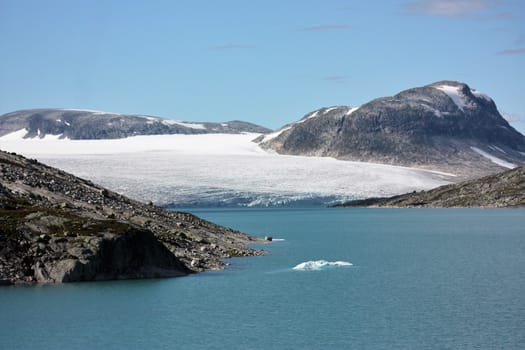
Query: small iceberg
[[320, 265]]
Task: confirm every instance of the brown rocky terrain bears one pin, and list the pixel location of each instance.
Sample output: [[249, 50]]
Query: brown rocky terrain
[[55, 227]]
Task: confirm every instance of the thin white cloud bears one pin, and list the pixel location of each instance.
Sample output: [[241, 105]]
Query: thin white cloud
[[448, 8], [233, 47], [328, 27], [336, 78], [519, 51], [520, 40]]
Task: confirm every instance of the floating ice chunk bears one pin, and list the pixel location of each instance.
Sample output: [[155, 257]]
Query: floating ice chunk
[[316, 265]]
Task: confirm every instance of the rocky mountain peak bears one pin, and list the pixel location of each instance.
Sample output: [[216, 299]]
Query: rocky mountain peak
[[445, 126]]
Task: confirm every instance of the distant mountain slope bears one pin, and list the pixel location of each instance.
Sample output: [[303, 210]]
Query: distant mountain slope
[[444, 126], [85, 124], [55, 227], [506, 189]]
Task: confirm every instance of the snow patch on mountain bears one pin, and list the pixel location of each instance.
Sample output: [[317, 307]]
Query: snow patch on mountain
[[479, 94], [494, 159], [454, 92], [351, 110], [87, 111], [187, 125]]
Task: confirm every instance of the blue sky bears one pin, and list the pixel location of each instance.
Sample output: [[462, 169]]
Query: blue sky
[[268, 62]]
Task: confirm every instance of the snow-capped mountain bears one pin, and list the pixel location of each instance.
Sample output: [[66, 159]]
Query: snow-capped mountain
[[445, 126], [86, 124]]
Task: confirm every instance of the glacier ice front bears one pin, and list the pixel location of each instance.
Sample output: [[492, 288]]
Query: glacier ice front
[[316, 265], [219, 170]]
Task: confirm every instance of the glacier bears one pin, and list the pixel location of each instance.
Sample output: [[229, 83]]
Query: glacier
[[218, 170]]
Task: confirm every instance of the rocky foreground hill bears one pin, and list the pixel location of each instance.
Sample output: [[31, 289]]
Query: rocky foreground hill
[[55, 227], [84, 124], [506, 189], [445, 126]]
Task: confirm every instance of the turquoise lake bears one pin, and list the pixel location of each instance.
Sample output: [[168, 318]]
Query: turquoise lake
[[420, 279]]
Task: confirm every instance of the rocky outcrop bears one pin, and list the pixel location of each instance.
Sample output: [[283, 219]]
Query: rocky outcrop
[[445, 126], [84, 124], [55, 227], [503, 190]]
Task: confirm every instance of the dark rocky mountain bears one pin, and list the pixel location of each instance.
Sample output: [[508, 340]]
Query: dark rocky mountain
[[55, 227], [445, 126], [506, 189], [83, 124]]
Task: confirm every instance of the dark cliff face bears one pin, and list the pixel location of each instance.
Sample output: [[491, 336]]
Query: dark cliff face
[[506, 189], [55, 227], [79, 124], [432, 127]]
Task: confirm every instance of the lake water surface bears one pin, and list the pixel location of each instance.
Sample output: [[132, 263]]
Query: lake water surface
[[420, 279]]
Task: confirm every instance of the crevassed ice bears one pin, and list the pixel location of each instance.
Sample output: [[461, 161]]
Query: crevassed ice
[[218, 169]]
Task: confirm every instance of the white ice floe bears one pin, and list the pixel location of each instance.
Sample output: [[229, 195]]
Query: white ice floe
[[494, 159], [454, 92], [217, 169], [316, 265]]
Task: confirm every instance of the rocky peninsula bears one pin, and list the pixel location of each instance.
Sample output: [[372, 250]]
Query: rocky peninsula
[[502, 190], [55, 227]]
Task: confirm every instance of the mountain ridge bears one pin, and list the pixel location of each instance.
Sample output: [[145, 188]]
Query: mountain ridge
[[444, 126], [88, 124]]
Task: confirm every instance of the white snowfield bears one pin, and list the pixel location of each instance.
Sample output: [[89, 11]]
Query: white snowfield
[[217, 170]]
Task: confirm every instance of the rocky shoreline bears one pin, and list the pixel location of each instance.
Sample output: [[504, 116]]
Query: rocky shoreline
[[502, 190], [55, 227]]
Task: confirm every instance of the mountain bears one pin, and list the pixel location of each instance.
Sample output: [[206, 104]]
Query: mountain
[[55, 227], [505, 189], [84, 124], [445, 126]]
